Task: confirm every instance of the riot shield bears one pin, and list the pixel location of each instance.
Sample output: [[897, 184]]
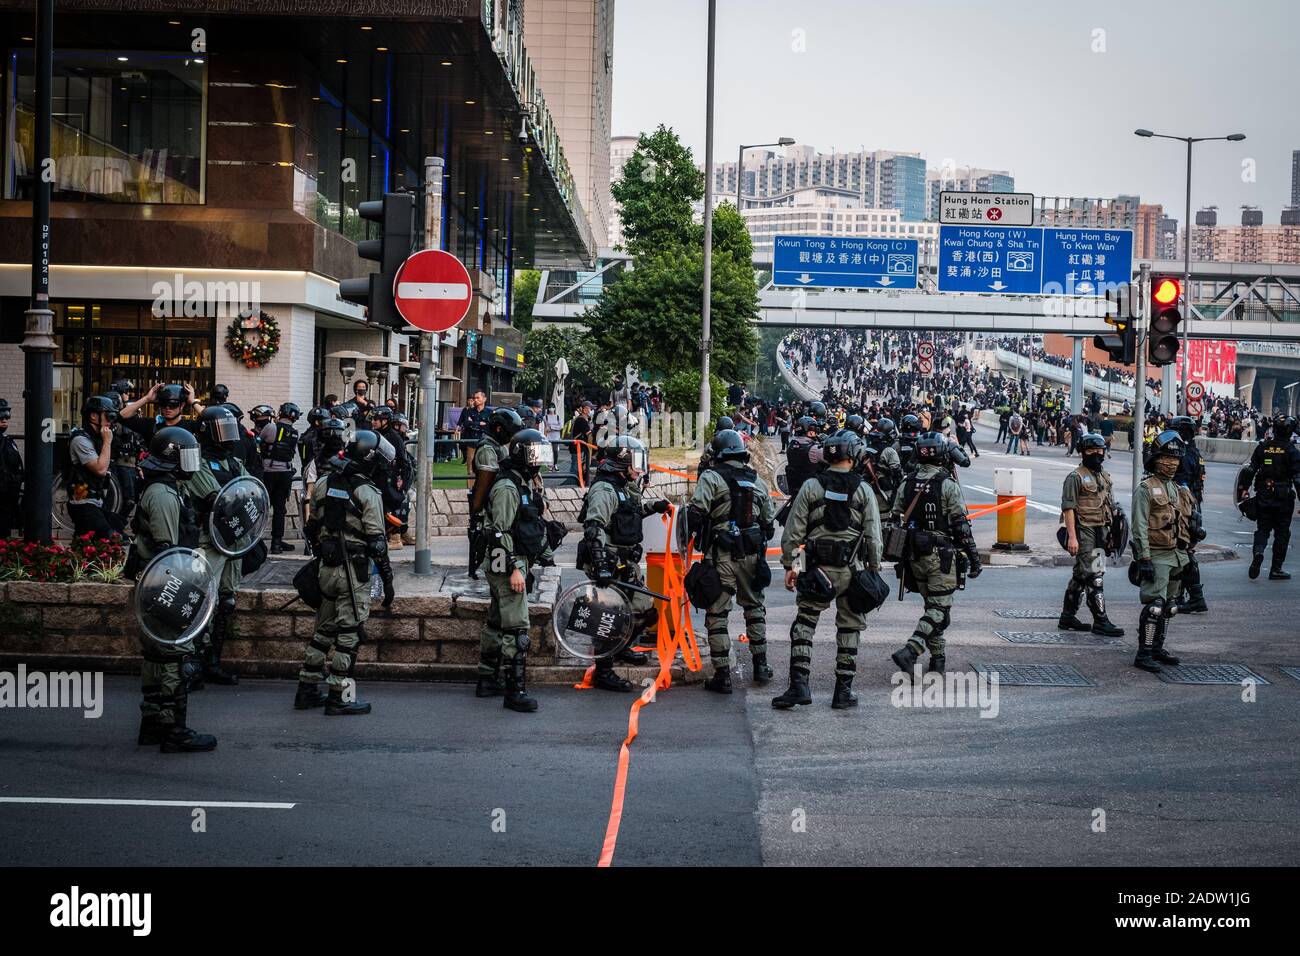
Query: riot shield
[[591, 622], [684, 530], [174, 596], [1119, 535], [240, 514]]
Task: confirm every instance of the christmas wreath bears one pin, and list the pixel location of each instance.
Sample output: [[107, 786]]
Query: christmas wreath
[[255, 352]]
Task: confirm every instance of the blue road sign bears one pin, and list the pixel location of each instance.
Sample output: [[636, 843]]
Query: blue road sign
[[1023, 260], [845, 262]]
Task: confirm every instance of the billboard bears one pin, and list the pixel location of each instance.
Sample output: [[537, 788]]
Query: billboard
[[1212, 361]]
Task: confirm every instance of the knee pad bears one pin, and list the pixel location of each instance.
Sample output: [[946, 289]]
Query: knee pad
[[522, 642], [1096, 581], [1171, 609], [226, 604]]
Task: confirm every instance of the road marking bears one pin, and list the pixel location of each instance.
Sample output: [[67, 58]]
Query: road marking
[[1046, 509], [1032, 460], [222, 804]]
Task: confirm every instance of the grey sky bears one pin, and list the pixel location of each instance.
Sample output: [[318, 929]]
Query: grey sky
[[1006, 84]]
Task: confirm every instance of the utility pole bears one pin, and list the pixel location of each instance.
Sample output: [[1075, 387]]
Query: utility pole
[[429, 349], [706, 344], [1140, 399], [38, 338]]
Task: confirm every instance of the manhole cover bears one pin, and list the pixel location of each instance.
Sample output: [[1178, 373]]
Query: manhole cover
[[1081, 638], [1036, 675], [1209, 674], [1028, 614], [1292, 672]]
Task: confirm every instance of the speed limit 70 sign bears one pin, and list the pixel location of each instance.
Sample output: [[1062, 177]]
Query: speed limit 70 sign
[[925, 358]]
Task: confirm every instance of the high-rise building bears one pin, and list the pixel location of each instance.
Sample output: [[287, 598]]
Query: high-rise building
[[571, 43], [621, 149], [1252, 241], [1295, 179], [1167, 239], [965, 179], [881, 178]]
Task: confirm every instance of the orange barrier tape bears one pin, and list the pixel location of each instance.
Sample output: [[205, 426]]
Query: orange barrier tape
[[979, 511], [669, 471]]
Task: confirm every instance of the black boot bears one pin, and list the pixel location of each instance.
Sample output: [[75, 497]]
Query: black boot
[[489, 685], [1256, 562], [844, 697], [720, 682], [937, 664], [1101, 623], [629, 656], [1146, 638], [1195, 603], [309, 695], [279, 547], [905, 659], [798, 692], [213, 672], [178, 738], [151, 732], [608, 679], [1069, 620], [335, 706], [1158, 652], [762, 673], [1275, 573], [516, 697]]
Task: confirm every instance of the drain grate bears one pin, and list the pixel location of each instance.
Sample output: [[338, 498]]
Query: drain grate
[[1076, 638], [1292, 672], [1209, 674], [1028, 613], [1036, 675]]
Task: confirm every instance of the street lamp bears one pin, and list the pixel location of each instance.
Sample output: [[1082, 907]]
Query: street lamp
[[1187, 243], [740, 161]]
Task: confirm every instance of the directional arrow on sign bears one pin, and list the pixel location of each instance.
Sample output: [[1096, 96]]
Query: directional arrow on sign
[[885, 280], [805, 278], [997, 286]]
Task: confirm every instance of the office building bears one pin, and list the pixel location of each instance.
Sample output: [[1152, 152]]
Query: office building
[[621, 149], [966, 179]]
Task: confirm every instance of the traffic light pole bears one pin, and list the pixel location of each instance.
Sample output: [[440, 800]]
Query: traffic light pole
[[429, 347], [1140, 397]]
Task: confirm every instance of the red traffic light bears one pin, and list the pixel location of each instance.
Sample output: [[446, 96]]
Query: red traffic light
[[1166, 291]]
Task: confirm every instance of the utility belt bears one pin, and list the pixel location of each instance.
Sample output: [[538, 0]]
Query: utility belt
[[335, 551], [740, 542], [925, 543], [828, 553]]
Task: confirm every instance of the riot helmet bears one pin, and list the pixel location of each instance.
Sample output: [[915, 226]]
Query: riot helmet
[[910, 425], [100, 404], [290, 411], [805, 425], [220, 395], [622, 454], [887, 428], [219, 430], [317, 415], [1283, 427], [123, 386], [1092, 442], [174, 450], [1168, 444], [1185, 425], [171, 396], [333, 433], [503, 424], [931, 448], [529, 451], [856, 424], [728, 445], [844, 445], [818, 411], [381, 416], [724, 423], [234, 410], [369, 452], [261, 413]]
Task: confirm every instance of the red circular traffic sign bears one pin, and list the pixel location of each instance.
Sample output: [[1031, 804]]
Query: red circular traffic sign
[[1195, 390], [432, 290], [994, 213]]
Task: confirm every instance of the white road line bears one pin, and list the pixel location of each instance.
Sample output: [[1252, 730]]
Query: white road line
[[1046, 509], [222, 804], [1030, 460]]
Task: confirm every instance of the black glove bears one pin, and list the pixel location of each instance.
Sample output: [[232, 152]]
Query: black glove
[[602, 563], [660, 507], [389, 593], [545, 562], [975, 568], [1146, 571]]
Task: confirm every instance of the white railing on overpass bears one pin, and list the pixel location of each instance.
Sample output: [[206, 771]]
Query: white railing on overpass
[[1111, 391]]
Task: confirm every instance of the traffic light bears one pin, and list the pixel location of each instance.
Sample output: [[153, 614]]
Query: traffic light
[[1122, 345], [395, 216], [1162, 335]]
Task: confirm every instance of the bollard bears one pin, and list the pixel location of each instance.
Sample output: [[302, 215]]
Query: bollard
[[1011, 483]]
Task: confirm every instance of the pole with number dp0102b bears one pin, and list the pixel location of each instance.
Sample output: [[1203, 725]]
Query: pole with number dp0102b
[[429, 347]]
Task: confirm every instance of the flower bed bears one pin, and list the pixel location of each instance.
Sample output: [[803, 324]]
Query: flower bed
[[86, 558]]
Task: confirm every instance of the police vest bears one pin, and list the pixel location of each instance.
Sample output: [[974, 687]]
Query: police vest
[[187, 523], [1276, 462], [835, 511], [1167, 518], [83, 484], [285, 444], [798, 467], [624, 528], [1091, 498], [528, 531], [223, 469], [741, 490], [341, 501], [928, 514]]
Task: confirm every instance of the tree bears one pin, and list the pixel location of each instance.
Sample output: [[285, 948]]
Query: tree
[[588, 372], [655, 196], [524, 298]]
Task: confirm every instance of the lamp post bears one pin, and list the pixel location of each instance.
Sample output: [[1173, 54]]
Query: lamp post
[[1187, 239], [740, 161], [705, 344]]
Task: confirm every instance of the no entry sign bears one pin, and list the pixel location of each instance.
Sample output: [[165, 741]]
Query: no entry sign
[[432, 290]]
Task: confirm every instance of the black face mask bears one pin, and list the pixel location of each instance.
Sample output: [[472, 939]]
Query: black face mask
[[1093, 462]]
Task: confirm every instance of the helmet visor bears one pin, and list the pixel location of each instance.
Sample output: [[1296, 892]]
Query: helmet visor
[[190, 459], [225, 429], [537, 454]]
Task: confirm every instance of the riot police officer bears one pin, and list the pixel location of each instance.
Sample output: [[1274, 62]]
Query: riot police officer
[[1087, 511], [11, 476], [172, 400], [516, 538], [279, 443], [909, 432], [90, 453], [731, 517], [835, 520], [1162, 533], [502, 425], [817, 411], [347, 531], [397, 490], [220, 447], [1191, 475], [611, 517], [940, 549], [1274, 470], [166, 518], [803, 459], [707, 459]]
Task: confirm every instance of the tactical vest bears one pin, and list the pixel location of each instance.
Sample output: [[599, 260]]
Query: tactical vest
[[928, 514], [223, 469], [835, 511], [798, 467], [528, 531], [285, 444], [1167, 518], [83, 484], [1091, 498], [741, 491], [907, 452], [187, 524], [341, 501], [1276, 462], [624, 528]]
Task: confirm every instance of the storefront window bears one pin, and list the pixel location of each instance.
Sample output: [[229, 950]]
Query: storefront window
[[127, 127]]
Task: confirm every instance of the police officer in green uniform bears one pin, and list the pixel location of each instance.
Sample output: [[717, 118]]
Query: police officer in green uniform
[[1162, 513], [166, 518], [347, 531], [835, 520], [516, 536], [1087, 509], [732, 518], [610, 548], [940, 549], [222, 446], [502, 425]]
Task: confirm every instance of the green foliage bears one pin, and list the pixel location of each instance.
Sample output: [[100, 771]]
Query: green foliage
[[543, 346], [682, 393], [660, 182], [730, 236], [524, 297]]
